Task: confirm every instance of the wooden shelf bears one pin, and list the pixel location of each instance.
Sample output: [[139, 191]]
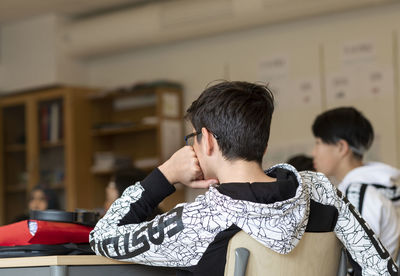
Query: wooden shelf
[[57, 187], [15, 189], [25, 149], [139, 123], [139, 89], [15, 148], [110, 95], [103, 172], [47, 144], [122, 130]]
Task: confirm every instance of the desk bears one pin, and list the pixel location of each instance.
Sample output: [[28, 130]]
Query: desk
[[76, 265]]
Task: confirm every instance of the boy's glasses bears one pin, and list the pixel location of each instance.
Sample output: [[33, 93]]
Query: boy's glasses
[[189, 139]]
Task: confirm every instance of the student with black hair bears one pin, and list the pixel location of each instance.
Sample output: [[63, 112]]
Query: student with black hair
[[342, 136], [122, 179], [41, 198], [231, 124], [119, 181], [301, 162]]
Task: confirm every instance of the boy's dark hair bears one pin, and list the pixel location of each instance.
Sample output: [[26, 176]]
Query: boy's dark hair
[[345, 123], [301, 162], [239, 114]]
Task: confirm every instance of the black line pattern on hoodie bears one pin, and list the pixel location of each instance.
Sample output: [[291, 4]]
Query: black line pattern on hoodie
[[278, 226]]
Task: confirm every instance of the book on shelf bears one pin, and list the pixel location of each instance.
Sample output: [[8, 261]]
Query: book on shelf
[[54, 123], [51, 123], [44, 123]]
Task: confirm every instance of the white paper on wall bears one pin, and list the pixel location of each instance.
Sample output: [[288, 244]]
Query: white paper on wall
[[281, 91], [339, 87], [379, 82], [273, 70], [361, 75], [275, 66], [306, 92], [355, 83], [358, 53]]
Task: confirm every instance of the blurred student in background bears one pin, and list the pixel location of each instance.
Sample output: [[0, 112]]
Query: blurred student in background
[[40, 199], [342, 136], [122, 179], [43, 199], [301, 162]]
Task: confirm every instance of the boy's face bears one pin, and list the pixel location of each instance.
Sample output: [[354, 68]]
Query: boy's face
[[326, 157], [38, 201], [197, 147]]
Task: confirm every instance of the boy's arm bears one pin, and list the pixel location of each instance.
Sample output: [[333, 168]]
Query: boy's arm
[[165, 241], [351, 229]]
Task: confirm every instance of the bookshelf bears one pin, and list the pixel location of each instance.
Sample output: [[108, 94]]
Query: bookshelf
[[141, 125], [45, 137]]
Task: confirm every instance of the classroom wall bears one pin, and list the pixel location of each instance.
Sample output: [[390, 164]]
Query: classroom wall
[[33, 55], [28, 53], [313, 64]]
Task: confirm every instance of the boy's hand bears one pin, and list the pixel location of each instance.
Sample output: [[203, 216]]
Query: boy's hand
[[184, 167]]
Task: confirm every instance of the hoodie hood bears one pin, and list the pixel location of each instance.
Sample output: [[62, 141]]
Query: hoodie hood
[[371, 173], [279, 225]]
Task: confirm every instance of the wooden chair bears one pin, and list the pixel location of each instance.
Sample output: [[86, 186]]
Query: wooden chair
[[316, 254]]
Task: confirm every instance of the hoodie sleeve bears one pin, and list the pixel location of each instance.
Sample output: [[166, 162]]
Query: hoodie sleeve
[[351, 229], [380, 215], [171, 239]]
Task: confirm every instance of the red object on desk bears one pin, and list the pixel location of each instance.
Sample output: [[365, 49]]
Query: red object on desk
[[47, 232]]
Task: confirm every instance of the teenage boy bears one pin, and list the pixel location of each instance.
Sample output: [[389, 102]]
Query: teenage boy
[[231, 124], [342, 136]]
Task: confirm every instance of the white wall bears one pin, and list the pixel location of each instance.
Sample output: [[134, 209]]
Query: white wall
[[28, 53], [32, 56], [313, 51]]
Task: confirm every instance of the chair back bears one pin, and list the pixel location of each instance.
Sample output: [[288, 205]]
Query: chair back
[[316, 254]]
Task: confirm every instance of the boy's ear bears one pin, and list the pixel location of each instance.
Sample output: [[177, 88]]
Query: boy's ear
[[208, 142], [343, 147]]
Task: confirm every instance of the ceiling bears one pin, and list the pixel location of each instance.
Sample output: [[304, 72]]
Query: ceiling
[[14, 10]]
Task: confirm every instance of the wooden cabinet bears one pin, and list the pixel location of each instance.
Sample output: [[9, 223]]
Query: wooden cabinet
[[142, 125], [45, 139]]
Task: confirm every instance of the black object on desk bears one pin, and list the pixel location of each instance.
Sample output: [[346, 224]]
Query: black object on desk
[[80, 217]]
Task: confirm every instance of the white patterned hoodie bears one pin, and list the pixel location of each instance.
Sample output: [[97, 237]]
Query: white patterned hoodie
[[184, 236]]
